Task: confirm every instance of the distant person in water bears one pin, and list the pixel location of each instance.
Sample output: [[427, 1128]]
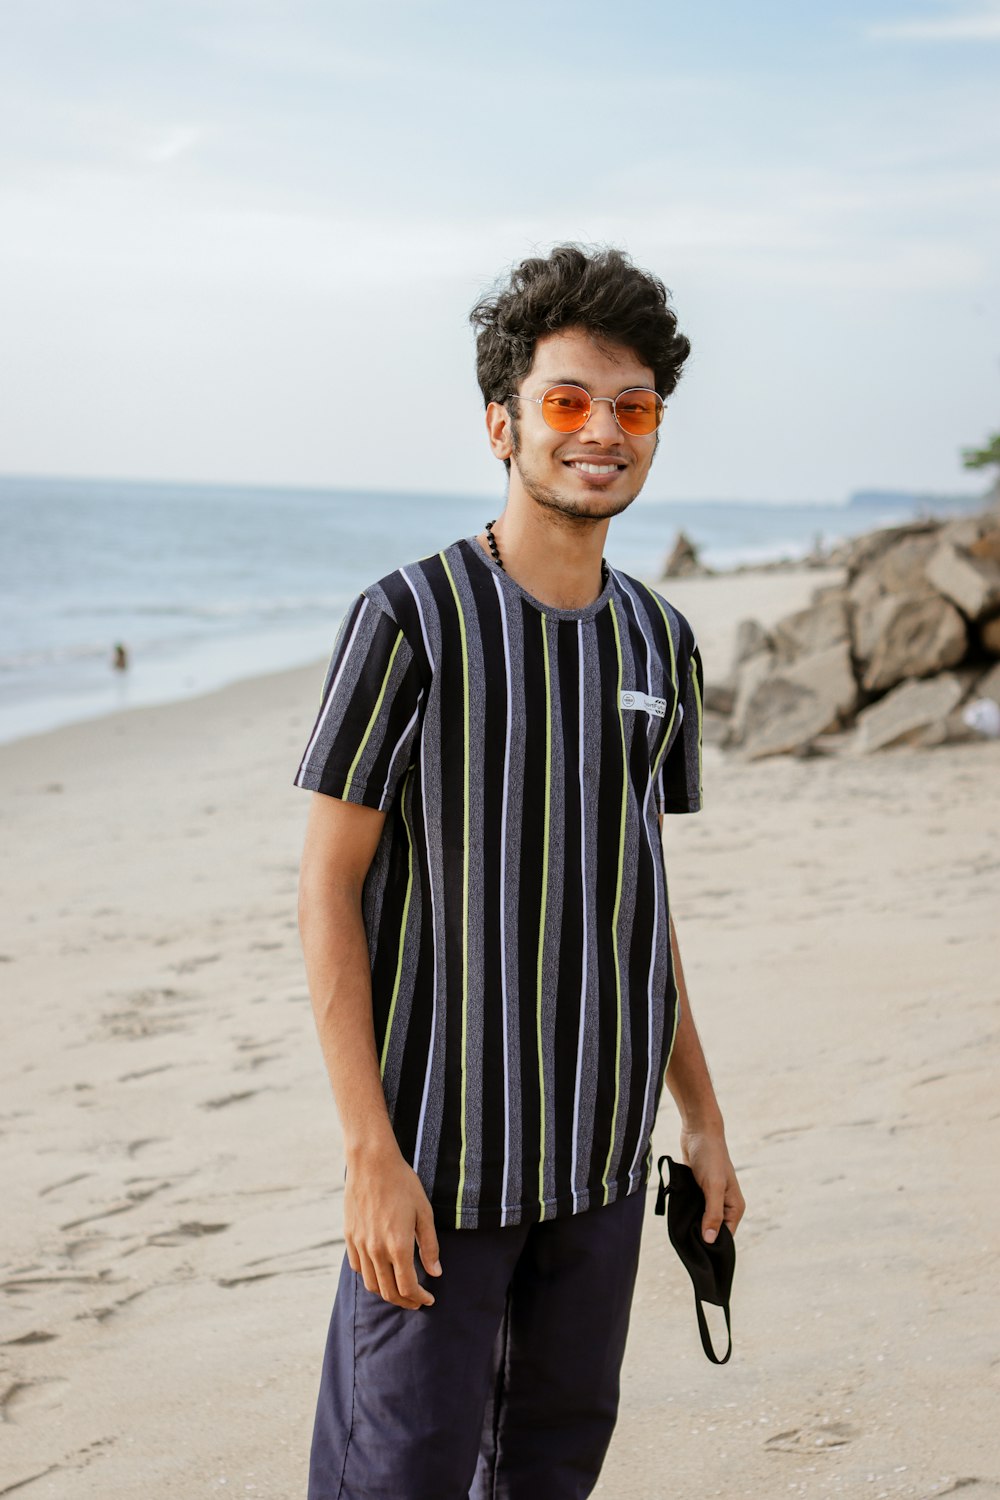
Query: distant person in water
[[120, 658], [483, 908]]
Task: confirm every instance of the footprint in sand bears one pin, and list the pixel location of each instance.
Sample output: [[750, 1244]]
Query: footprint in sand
[[145, 1073], [189, 965], [229, 1099], [64, 1182], [970, 1489], [134, 1197], [26, 1397], [812, 1439], [192, 1230], [148, 1012]]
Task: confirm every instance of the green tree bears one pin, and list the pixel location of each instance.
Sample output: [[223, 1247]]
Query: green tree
[[981, 458]]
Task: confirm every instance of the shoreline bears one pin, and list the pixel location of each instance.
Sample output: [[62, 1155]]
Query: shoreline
[[765, 589]]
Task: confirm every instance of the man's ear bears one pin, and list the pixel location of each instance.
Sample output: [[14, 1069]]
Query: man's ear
[[499, 430]]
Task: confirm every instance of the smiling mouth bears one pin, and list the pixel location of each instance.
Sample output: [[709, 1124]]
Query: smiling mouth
[[583, 467]]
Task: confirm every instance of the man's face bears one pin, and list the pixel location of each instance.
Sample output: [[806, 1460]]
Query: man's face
[[556, 468]]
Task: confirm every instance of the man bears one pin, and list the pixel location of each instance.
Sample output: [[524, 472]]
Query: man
[[483, 909]]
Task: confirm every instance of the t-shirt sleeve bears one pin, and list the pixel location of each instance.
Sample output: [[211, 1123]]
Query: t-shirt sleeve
[[364, 736], [678, 786]]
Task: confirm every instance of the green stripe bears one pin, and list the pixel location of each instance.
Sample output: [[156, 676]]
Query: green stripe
[[673, 680], [677, 998], [697, 699], [618, 902], [465, 887], [402, 925], [375, 713], [541, 914]]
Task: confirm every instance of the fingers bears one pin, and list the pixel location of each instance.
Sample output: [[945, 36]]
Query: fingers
[[390, 1274], [735, 1207], [712, 1218], [724, 1203], [427, 1241], [404, 1274], [383, 1216]]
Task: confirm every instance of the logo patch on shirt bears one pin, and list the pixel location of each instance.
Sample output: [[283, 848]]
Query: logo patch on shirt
[[636, 700]]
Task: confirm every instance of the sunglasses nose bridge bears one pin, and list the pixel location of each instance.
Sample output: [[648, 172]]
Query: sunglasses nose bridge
[[612, 424]]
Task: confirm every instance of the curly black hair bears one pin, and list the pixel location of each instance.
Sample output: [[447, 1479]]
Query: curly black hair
[[594, 288]]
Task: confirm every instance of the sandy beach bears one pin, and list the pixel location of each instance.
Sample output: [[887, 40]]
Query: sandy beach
[[172, 1165]]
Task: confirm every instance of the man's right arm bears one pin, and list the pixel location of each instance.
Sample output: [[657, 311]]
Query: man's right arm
[[385, 1206]]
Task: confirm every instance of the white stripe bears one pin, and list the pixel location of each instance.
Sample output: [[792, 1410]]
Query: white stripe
[[430, 886], [583, 906], [656, 904], [392, 758], [420, 612], [333, 688], [503, 908]]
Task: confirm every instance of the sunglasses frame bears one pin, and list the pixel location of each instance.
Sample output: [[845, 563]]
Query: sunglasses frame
[[567, 385]]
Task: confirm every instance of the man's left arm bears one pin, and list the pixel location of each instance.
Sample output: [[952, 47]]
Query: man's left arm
[[703, 1133]]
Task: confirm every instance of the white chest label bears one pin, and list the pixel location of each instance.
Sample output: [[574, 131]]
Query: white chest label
[[635, 700]]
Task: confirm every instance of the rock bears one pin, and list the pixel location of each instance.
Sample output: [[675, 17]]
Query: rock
[[810, 630], [829, 591], [988, 685], [903, 635], [965, 530], [840, 555], [683, 560], [907, 711], [951, 730], [752, 673], [971, 582], [987, 546], [719, 698], [866, 550], [714, 727], [989, 636], [793, 704], [751, 637], [900, 569]]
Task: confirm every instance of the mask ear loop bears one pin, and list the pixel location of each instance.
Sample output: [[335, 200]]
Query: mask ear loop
[[706, 1337]]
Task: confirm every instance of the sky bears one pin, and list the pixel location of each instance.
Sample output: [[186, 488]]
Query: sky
[[240, 238]]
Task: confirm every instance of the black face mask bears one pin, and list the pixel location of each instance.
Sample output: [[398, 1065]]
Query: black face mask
[[710, 1266]]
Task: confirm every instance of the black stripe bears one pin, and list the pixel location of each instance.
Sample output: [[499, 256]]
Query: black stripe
[[452, 688], [529, 896], [608, 837], [489, 981], [571, 935], [417, 1037]]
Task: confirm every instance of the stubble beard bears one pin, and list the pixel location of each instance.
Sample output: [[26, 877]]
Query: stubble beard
[[552, 500]]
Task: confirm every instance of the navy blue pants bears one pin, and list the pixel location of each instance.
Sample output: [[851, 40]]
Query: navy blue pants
[[505, 1389]]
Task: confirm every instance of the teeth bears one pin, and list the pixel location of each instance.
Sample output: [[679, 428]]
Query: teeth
[[596, 468]]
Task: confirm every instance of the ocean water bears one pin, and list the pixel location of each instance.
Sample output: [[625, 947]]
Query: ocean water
[[206, 584]]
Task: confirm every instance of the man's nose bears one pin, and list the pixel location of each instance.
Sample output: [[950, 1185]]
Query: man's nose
[[601, 426]]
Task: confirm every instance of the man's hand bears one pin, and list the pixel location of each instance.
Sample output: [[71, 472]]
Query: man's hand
[[707, 1154], [385, 1211]]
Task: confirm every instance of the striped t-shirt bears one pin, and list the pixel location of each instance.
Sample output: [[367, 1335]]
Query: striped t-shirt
[[516, 907]]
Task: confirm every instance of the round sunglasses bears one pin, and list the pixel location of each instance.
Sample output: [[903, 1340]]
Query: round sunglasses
[[567, 408]]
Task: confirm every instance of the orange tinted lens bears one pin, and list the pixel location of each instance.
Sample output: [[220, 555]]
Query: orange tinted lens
[[566, 407], [639, 412]]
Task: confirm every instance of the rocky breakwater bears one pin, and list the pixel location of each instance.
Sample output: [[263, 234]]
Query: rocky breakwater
[[895, 653]]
